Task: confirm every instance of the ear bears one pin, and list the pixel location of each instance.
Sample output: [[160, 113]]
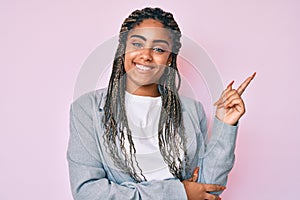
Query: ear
[[169, 62]]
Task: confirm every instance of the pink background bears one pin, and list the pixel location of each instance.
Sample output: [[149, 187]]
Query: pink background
[[44, 43]]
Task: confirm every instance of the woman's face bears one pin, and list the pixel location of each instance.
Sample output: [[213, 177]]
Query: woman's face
[[147, 54]]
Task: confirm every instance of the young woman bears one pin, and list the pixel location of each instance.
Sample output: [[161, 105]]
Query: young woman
[[137, 138]]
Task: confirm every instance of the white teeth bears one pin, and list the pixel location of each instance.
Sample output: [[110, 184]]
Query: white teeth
[[143, 68]]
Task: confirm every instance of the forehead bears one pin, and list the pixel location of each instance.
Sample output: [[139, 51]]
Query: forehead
[[151, 29]]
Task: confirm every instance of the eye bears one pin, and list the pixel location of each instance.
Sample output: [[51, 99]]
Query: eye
[[159, 50], [137, 44]]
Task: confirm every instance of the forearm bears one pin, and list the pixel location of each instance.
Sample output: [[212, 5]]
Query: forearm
[[91, 183], [219, 157]]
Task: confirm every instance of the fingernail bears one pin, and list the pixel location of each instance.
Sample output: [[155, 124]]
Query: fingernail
[[253, 75], [223, 188], [230, 84], [219, 198]]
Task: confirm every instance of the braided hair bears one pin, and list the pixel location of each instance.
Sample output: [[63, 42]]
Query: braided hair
[[171, 137]]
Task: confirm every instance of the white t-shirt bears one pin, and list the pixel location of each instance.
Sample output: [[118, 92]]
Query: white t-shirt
[[143, 114]]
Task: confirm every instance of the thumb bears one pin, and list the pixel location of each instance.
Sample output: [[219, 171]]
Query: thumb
[[195, 174]]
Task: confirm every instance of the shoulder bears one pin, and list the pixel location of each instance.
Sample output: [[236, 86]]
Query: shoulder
[[90, 101], [192, 107], [190, 104]]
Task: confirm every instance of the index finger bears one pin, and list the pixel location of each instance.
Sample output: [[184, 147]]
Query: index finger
[[213, 187], [244, 85]]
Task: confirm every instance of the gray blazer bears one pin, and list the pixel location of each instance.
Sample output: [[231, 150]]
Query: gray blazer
[[93, 175]]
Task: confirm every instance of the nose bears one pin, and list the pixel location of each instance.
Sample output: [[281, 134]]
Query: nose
[[146, 54]]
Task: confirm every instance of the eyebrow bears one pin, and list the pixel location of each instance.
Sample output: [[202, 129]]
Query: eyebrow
[[155, 41]]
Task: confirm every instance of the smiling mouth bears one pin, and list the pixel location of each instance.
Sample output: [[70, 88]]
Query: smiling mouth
[[143, 67]]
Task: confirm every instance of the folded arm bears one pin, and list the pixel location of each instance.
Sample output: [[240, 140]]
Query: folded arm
[[87, 174]]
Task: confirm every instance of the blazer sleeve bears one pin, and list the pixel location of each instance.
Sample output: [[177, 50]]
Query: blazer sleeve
[[219, 155], [87, 175]]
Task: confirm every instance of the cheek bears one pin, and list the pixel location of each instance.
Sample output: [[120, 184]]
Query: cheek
[[162, 60], [128, 59]]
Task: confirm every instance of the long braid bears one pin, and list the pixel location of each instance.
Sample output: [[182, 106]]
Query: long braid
[[170, 129]]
